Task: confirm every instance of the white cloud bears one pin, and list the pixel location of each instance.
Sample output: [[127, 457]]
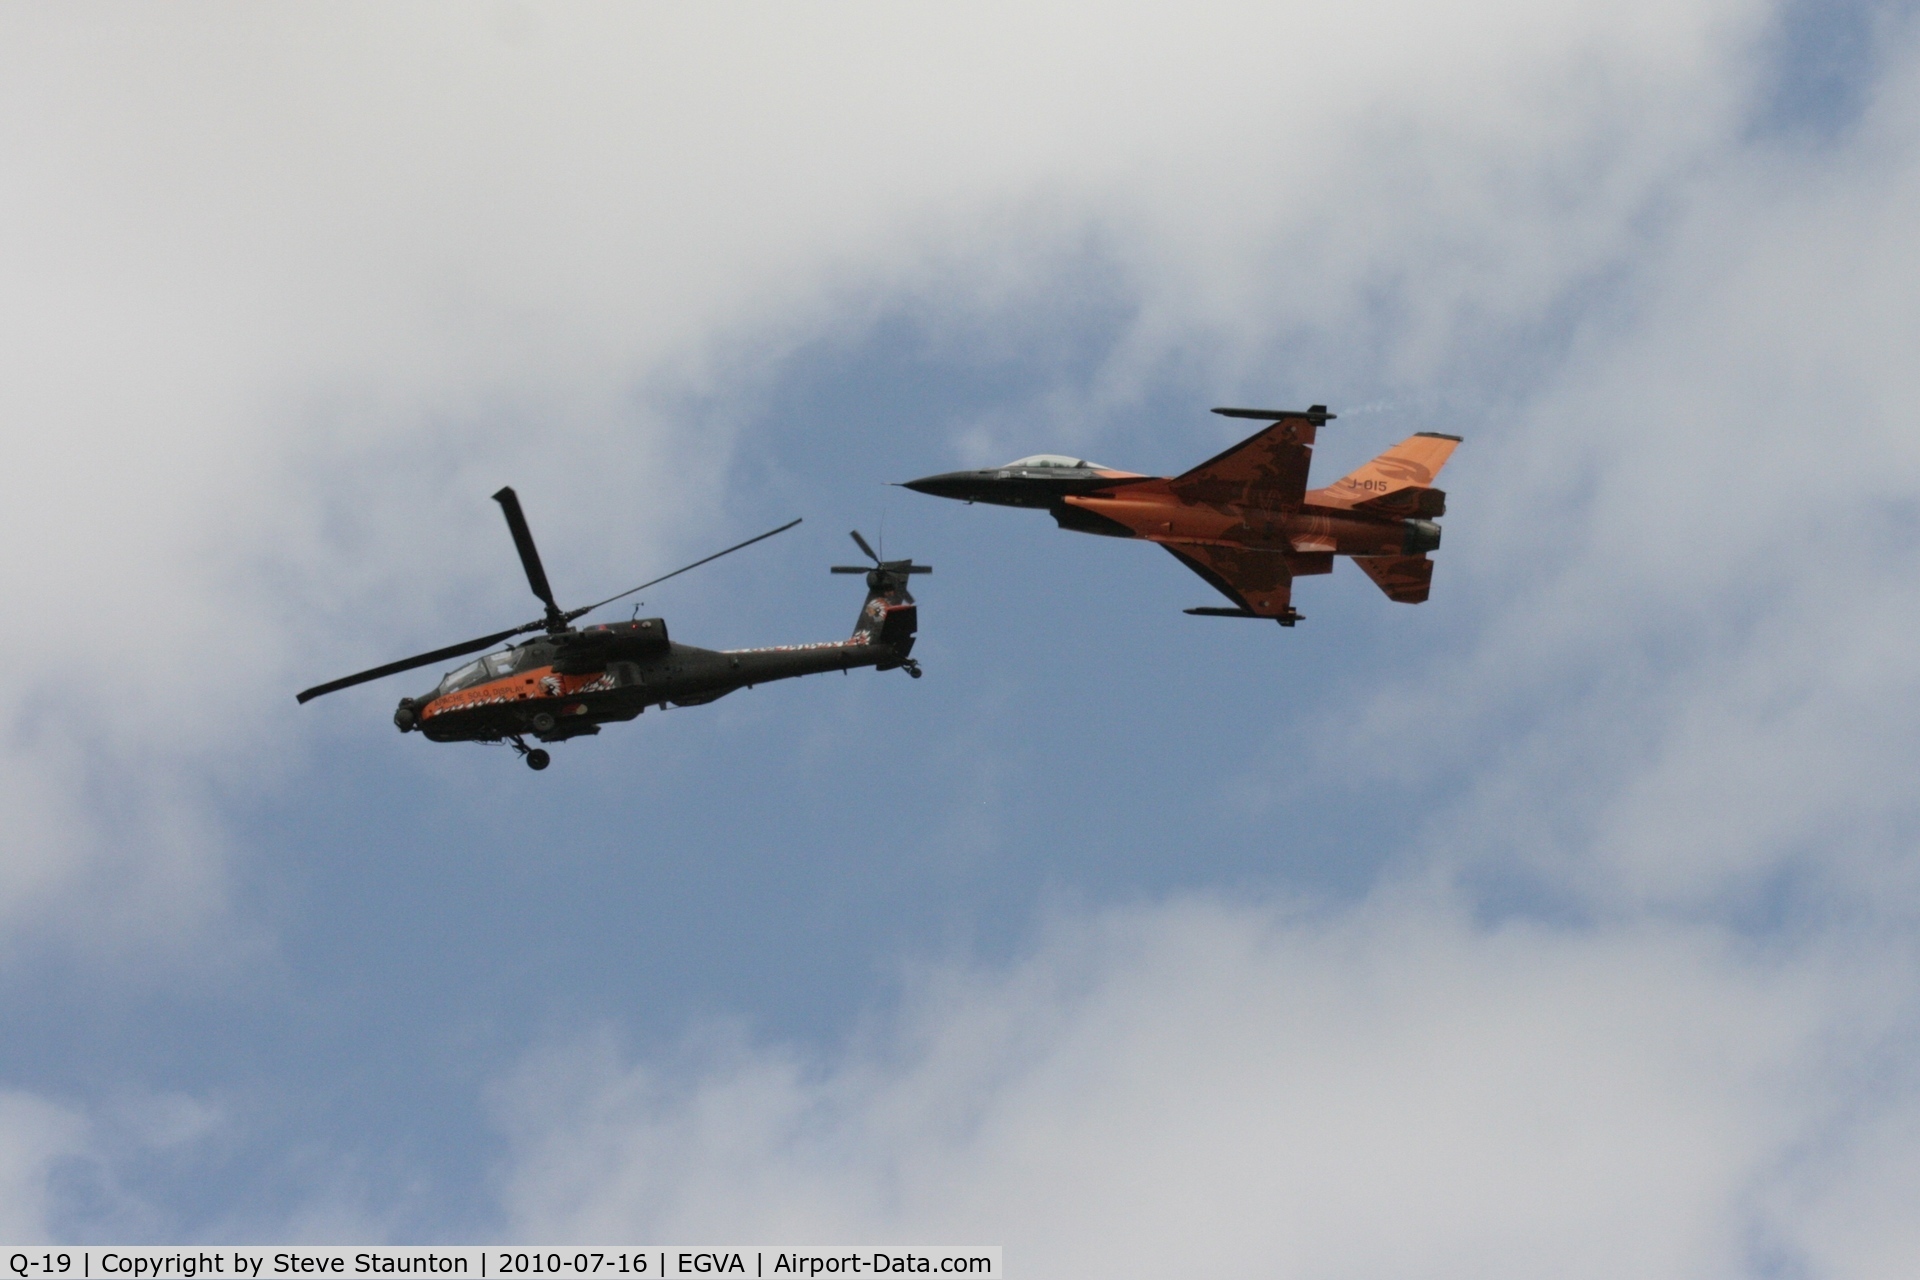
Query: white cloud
[[85, 1171], [1856, 1205], [1243, 1090], [287, 293], [35, 1135], [1693, 560], [1687, 562]]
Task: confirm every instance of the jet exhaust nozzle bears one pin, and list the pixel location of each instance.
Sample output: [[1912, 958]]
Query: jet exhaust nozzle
[[1422, 536]]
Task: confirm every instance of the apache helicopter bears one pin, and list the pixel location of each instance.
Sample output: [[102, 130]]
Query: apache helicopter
[[570, 681]]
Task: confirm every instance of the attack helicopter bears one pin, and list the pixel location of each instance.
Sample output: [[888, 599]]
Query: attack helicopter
[[570, 680]]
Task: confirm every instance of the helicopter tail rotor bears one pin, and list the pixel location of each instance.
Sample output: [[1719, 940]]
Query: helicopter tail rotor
[[888, 617], [880, 566]]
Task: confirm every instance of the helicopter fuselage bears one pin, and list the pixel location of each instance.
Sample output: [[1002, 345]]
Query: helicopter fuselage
[[559, 687], [571, 680]]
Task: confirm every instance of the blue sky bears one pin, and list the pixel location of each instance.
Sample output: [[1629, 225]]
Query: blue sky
[[1565, 917]]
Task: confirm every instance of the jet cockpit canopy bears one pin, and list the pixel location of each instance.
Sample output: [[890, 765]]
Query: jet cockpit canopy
[[1040, 460]]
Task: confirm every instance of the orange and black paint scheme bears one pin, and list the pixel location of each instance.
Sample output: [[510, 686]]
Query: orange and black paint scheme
[[571, 680], [1244, 519]]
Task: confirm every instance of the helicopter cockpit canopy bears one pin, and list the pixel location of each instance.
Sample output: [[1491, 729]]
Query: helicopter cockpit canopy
[[1039, 461], [471, 674], [491, 667]]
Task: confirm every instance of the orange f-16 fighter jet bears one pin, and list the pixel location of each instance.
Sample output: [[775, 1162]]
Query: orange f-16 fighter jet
[[1245, 520]]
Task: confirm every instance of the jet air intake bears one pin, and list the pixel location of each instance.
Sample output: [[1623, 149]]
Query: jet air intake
[[1422, 536]]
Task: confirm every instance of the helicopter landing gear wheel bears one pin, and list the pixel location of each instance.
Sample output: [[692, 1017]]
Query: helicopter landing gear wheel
[[536, 758]]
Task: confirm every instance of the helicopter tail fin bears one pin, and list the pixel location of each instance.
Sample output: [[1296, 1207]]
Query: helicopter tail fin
[[888, 617]]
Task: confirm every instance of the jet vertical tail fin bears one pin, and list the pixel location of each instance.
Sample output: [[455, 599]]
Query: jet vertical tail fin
[[1397, 483]]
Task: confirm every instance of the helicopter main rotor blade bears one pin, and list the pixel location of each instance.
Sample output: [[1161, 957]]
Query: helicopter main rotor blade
[[571, 614], [418, 660], [529, 554], [864, 547]]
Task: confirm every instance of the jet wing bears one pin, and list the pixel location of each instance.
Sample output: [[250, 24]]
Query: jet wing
[[1261, 582], [1268, 470]]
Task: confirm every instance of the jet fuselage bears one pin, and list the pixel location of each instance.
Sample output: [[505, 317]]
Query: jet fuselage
[[1245, 520], [1122, 504]]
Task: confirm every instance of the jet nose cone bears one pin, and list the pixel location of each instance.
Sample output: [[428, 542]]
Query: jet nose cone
[[952, 484]]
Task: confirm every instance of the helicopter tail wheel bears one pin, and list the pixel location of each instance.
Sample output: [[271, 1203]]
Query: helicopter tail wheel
[[538, 759]]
